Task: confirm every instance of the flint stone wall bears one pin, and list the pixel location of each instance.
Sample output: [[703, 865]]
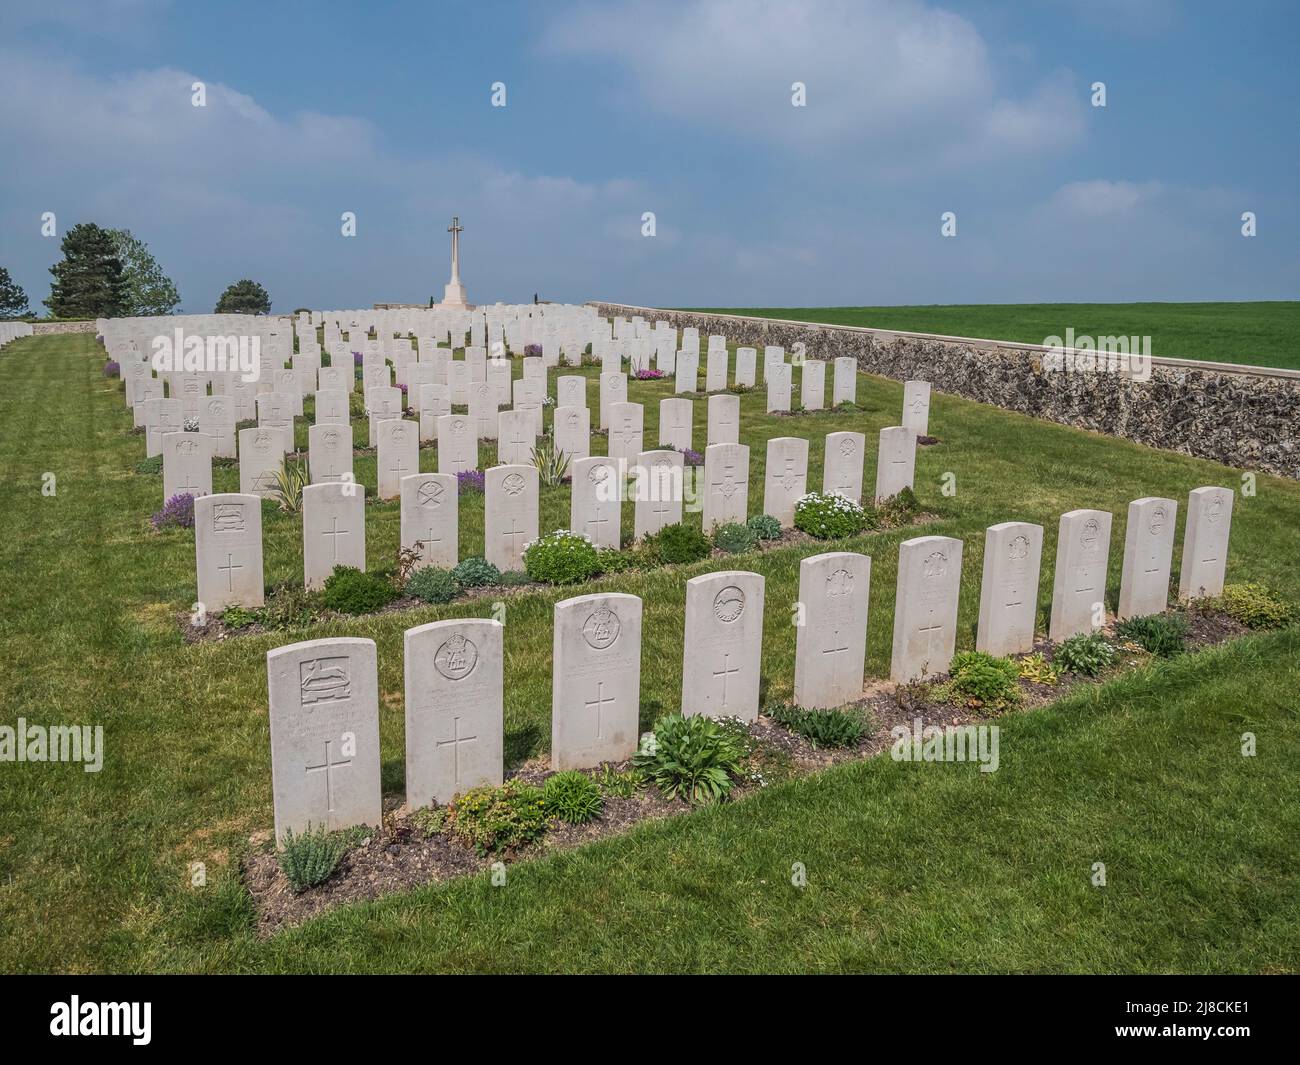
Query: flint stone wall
[[1250, 422]]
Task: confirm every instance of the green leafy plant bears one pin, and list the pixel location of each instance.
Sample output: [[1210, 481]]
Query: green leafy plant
[[572, 796], [476, 573], [500, 818], [429, 820], [611, 560], [152, 464], [1254, 605], [620, 783], [310, 858], [981, 681], [238, 617], [1085, 653], [432, 585], [1161, 634], [512, 578], [829, 516], [561, 557], [765, 527], [351, 591], [290, 480], [692, 758], [552, 463], [822, 728], [681, 543], [1037, 669], [734, 538], [897, 509]]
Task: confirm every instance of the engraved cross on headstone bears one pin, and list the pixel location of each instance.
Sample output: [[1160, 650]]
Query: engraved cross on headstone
[[326, 767]]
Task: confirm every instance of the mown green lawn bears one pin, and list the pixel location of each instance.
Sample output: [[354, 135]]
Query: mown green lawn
[[925, 867], [1257, 334]]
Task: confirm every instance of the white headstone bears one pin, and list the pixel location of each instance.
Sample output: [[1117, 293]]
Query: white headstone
[[613, 389], [831, 643], [430, 509], [261, 456], [399, 454], [726, 484], [329, 453], [1148, 555], [1079, 588], [573, 431], [896, 461], [659, 491], [596, 680], [842, 464], [812, 384], [785, 477], [916, 407], [676, 418], [778, 387], [715, 373], [595, 506], [457, 444], [626, 430], [187, 464], [1205, 542], [455, 731], [723, 644], [333, 530], [324, 711], [1009, 588], [845, 389], [724, 419], [925, 609], [746, 367], [687, 371], [510, 518], [228, 550]]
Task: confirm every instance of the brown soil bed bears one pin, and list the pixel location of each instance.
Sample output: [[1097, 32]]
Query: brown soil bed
[[399, 856]]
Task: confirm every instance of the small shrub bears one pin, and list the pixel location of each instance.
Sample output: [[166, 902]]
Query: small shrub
[[681, 543], [1038, 670], [691, 457], [290, 480], [1161, 634], [611, 560], [432, 585], [310, 858], [152, 464], [561, 557], [897, 509], [1254, 605], [734, 537], [648, 375], [471, 482], [552, 463], [691, 758], [829, 516], [288, 607], [621, 784], [351, 591], [513, 578], [493, 819], [765, 527], [112, 369], [429, 820], [1085, 653], [476, 573], [982, 681], [572, 796], [822, 728], [238, 617], [177, 513]]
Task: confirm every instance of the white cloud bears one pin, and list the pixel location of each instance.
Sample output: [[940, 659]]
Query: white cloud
[[1102, 198], [889, 75]]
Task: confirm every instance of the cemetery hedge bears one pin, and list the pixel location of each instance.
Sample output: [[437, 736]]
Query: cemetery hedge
[[910, 868]]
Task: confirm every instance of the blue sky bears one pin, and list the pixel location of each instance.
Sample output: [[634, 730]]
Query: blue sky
[[684, 109]]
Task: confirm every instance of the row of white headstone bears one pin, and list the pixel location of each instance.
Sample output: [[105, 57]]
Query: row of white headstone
[[228, 532], [10, 331], [323, 694]]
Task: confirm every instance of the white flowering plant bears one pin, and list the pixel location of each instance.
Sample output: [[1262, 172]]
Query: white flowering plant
[[561, 557], [829, 516]]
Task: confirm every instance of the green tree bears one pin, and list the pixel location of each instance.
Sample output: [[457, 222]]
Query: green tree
[[244, 297], [13, 300], [89, 281], [149, 290]]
